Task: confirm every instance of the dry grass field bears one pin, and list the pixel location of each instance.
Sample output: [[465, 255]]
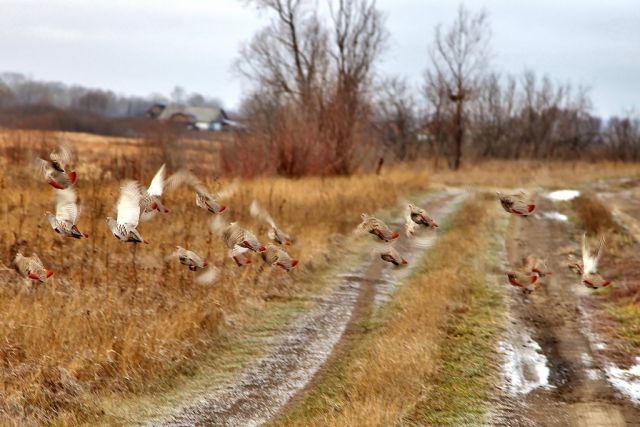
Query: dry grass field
[[121, 319], [114, 316]]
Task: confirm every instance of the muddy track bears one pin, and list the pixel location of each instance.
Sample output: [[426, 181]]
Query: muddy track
[[578, 393], [297, 355]]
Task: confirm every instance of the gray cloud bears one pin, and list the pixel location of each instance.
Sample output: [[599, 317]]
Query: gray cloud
[[149, 46]]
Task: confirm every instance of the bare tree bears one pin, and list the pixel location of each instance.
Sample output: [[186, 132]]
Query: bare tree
[[316, 76], [397, 117], [459, 57]]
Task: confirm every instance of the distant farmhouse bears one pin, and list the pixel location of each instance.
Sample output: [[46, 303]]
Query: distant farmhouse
[[196, 118]]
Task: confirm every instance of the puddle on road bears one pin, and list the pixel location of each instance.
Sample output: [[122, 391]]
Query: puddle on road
[[525, 368], [563, 195], [627, 381], [554, 216]]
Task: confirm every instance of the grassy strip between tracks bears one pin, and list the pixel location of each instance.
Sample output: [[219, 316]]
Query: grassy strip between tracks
[[429, 357]]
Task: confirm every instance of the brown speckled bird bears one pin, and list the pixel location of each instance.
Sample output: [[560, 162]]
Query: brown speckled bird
[[55, 170], [275, 233], [390, 254], [204, 199], [237, 239], [66, 217], [588, 269], [526, 281], [420, 217], [517, 204], [31, 268], [276, 256], [150, 198], [376, 227]]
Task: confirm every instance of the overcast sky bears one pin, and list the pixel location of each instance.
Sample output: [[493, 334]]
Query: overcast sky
[[145, 46]]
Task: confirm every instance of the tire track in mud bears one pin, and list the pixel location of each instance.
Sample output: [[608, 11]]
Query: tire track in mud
[[311, 341], [578, 393]]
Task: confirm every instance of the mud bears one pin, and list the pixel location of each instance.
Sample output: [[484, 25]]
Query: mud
[[578, 393]]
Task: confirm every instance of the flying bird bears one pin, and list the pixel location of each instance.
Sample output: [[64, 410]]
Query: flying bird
[[420, 217], [55, 170], [150, 201], [376, 227], [204, 199], [124, 227], [276, 256], [239, 240], [275, 233], [517, 204], [205, 273], [588, 269], [67, 212], [390, 254], [527, 281], [31, 268], [189, 258]]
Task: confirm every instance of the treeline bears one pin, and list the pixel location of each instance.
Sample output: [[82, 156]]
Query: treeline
[[20, 91], [26, 103], [317, 105]]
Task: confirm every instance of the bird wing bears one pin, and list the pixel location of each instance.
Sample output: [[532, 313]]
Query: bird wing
[[261, 214], [184, 177], [66, 206], [41, 167], [157, 183], [62, 154], [217, 225], [589, 261], [207, 276], [409, 223], [601, 246], [128, 206], [229, 190]]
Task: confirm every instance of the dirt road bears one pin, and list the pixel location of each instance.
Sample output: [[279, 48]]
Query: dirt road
[[299, 353], [576, 392]]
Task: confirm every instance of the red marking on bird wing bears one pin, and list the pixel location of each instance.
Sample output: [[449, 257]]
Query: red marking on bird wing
[[534, 279], [73, 176], [606, 283], [49, 273], [33, 276], [531, 208], [395, 235], [514, 282], [222, 208], [294, 262], [54, 184]]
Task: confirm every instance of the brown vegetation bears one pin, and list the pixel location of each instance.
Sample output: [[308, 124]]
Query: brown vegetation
[[120, 318]]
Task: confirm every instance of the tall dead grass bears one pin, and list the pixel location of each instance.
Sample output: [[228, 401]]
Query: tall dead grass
[[530, 173], [120, 318]]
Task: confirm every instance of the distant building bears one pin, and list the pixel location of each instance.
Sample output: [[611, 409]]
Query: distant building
[[197, 118]]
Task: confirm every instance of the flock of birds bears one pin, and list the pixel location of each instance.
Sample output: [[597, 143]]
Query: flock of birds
[[138, 204], [532, 273]]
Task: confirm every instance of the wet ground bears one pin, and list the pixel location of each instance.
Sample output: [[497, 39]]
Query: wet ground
[[554, 375]]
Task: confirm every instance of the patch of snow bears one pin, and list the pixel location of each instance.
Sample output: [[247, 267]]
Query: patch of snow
[[627, 381], [526, 367], [563, 195], [555, 216]]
